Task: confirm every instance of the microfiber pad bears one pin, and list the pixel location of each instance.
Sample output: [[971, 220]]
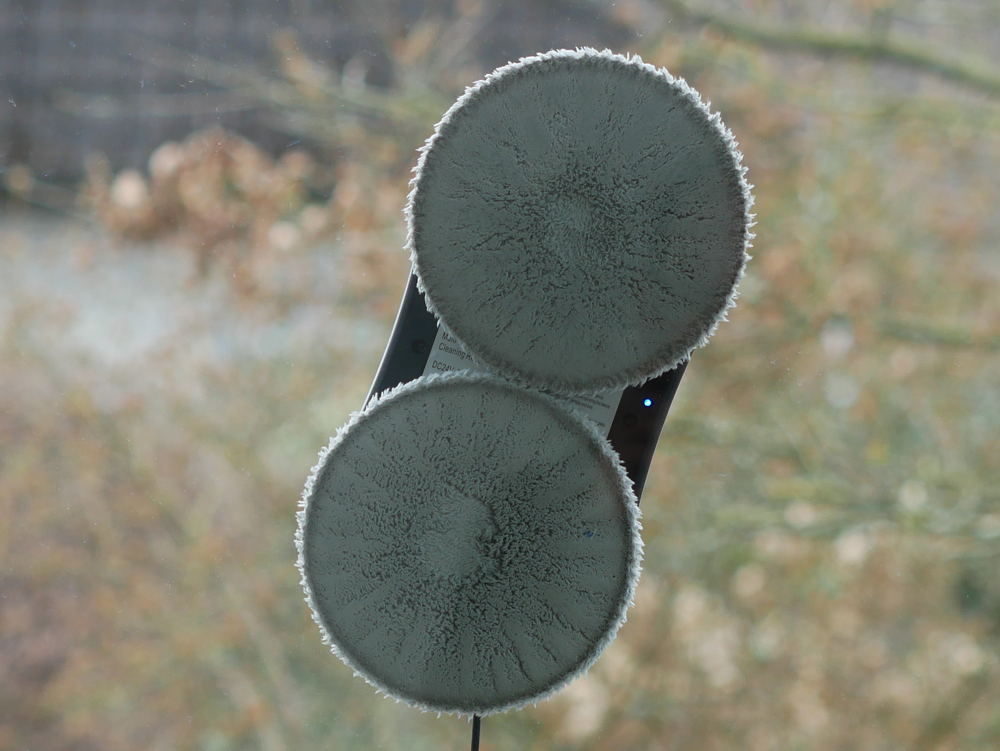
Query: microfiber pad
[[468, 546], [579, 220]]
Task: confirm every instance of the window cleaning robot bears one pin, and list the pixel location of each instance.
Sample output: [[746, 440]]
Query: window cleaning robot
[[470, 541]]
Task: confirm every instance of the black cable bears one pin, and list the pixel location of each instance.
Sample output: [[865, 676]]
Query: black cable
[[475, 732]]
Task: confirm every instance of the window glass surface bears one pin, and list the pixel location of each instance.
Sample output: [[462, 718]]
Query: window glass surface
[[201, 259]]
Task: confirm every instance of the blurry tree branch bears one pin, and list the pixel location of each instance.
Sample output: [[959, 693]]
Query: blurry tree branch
[[874, 48], [110, 107], [922, 333], [322, 107]]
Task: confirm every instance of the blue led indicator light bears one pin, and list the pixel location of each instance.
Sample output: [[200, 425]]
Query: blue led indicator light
[[647, 402]]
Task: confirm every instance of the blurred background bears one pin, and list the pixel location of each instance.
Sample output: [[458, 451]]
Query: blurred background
[[200, 260]]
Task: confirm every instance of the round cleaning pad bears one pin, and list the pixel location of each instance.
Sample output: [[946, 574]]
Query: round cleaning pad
[[467, 545], [579, 220]]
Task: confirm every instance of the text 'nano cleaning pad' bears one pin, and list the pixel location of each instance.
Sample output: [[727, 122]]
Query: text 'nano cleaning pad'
[[579, 220], [467, 545]]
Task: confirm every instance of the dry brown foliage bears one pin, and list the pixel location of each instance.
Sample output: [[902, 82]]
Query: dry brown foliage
[[211, 189]]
